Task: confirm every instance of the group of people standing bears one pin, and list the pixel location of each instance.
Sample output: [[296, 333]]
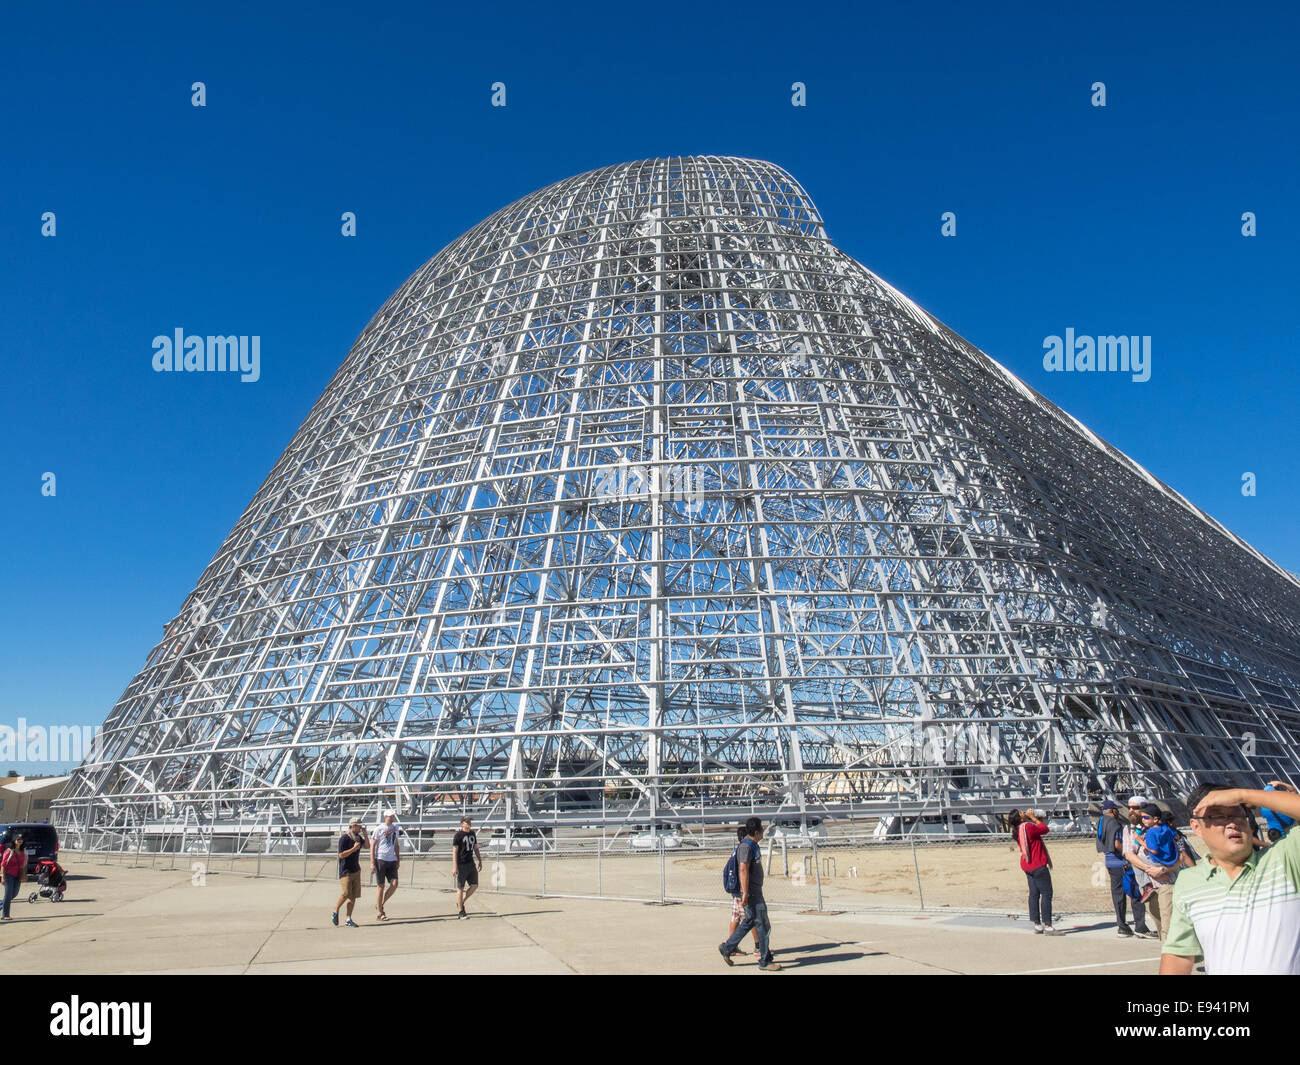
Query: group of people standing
[[385, 851], [1237, 909], [1143, 853]]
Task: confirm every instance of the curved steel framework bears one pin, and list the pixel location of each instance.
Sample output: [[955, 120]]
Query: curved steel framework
[[641, 501]]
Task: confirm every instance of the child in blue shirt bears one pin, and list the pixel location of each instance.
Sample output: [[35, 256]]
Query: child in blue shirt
[[1160, 845]]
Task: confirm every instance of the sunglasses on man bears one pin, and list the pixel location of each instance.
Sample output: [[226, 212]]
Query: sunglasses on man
[[1219, 817]]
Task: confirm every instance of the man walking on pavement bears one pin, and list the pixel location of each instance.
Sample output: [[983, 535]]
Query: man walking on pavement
[[385, 859], [749, 864], [466, 864]]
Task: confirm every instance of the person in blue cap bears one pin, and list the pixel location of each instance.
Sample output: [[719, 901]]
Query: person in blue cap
[[1110, 841]]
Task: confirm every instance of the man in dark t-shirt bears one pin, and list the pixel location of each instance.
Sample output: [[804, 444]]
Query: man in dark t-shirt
[[737, 908], [749, 864], [466, 862], [349, 850], [1110, 844]]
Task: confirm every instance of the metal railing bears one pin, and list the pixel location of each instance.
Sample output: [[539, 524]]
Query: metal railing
[[837, 874]]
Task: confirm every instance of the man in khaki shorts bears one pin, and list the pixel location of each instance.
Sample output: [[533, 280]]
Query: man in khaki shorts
[[350, 844]]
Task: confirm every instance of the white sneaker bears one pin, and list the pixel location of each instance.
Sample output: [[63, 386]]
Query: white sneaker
[[1038, 929]]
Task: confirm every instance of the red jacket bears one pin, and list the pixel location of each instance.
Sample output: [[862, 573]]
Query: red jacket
[[1033, 854]]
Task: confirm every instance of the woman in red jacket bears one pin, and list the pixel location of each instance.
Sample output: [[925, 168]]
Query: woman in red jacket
[[14, 863], [1028, 830]]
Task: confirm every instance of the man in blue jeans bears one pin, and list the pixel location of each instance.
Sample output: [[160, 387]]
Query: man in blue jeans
[[749, 865]]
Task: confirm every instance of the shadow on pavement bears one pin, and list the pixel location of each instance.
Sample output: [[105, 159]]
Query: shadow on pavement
[[827, 959], [51, 915], [1108, 925], [438, 918]]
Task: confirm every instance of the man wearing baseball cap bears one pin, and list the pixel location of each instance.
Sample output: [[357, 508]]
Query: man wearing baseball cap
[[349, 849], [1110, 837], [1129, 845]]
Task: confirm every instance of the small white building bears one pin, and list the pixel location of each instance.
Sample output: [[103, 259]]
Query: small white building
[[28, 798]]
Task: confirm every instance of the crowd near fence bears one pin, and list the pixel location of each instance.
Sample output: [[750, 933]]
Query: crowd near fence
[[843, 873]]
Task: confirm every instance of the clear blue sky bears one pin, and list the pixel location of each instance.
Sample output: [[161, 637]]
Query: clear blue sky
[[225, 219]]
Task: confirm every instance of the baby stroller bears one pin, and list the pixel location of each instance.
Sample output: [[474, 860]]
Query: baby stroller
[[52, 879]]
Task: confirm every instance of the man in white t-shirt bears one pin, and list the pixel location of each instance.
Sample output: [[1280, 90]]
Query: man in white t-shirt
[[385, 858]]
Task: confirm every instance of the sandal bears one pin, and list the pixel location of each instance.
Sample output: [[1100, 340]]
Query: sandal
[[383, 917]]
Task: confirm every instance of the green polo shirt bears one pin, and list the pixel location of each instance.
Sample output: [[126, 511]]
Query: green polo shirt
[[1247, 925]]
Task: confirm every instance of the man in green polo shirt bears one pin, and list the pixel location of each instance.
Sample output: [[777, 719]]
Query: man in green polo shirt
[[1240, 909]]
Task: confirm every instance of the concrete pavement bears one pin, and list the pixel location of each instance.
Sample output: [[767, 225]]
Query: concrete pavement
[[127, 920]]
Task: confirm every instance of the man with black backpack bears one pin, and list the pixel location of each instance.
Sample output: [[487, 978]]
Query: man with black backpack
[[1110, 842], [747, 875], [732, 886]]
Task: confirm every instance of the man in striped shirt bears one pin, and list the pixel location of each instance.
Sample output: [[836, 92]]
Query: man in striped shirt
[[1240, 909]]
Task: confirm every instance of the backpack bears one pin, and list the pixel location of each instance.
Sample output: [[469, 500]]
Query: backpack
[[731, 871], [1117, 841]]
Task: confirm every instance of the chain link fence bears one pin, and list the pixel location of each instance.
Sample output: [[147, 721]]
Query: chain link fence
[[836, 874]]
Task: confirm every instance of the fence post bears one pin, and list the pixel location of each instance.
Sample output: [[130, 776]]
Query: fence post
[[600, 849], [663, 871], [920, 891], [817, 869], [259, 857], [304, 850]]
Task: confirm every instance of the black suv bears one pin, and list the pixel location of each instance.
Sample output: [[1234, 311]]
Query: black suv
[[39, 840]]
